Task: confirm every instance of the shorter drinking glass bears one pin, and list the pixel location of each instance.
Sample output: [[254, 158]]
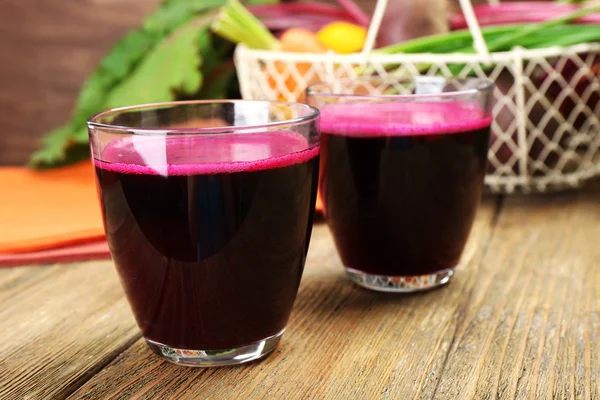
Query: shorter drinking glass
[[402, 172], [208, 210]]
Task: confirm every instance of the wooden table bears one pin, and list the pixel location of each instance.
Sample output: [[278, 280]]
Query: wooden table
[[519, 320]]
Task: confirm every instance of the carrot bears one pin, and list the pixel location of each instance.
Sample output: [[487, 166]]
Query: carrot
[[295, 40], [299, 40]]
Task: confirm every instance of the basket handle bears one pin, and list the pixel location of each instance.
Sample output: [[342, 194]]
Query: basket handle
[[478, 39], [374, 27], [467, 9]]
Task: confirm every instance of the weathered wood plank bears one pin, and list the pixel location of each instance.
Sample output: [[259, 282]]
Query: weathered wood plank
[[59, 325], [519, 320], [342, 341], [531, 324]]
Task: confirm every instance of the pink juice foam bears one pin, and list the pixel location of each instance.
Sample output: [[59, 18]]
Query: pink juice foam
[[402, 118], [205, 154]]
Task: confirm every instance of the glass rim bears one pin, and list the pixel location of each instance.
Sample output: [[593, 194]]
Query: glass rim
[[312, 115], [487, 85]]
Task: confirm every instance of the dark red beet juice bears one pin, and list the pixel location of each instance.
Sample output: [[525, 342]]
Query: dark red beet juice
[[400, 193], [192, 227]]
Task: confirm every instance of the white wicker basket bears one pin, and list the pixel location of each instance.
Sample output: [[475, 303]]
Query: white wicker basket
[[546, 130]]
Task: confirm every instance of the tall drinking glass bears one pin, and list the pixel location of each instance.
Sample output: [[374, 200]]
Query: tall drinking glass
[[208, 212], [402, 170]]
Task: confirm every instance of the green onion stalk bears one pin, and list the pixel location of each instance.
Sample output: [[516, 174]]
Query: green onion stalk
[[554, 32]]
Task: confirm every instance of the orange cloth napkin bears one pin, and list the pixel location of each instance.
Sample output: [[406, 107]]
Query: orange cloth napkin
[[41, 210]]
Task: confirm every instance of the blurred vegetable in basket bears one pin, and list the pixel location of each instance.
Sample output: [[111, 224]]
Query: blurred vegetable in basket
[[343, 37], [520, 12], [555, 29], [560, 24], [239, 25], [409, 19], [308, 15]]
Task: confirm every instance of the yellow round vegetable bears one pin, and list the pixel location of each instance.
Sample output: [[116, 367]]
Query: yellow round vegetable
[[343, 37]]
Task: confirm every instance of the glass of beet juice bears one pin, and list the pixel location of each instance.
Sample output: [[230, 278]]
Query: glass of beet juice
[[402, 170], [208, 210]]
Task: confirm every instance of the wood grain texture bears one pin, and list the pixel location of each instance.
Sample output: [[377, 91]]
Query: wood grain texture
[[59, 325], [519, 320], [341, 342], [48, 49], [530, 326]]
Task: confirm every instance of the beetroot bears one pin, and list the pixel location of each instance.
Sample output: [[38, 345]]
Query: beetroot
[[520, 12]]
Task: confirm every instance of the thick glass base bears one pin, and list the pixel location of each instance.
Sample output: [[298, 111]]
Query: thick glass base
[[216, 358], [400, 284]]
